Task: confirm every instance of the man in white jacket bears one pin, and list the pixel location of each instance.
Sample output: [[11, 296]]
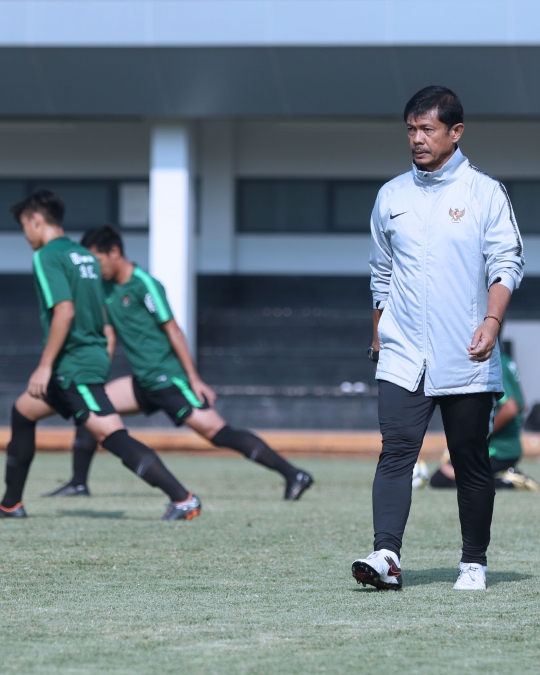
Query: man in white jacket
[[446, 255]]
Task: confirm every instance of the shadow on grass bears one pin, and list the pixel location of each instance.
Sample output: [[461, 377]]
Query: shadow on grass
[[90, 513], [449, 575]]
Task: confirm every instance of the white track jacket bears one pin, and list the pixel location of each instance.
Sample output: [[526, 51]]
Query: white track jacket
[[439, 240]]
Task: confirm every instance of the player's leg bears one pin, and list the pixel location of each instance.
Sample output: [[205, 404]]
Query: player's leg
[[467, 419], [107, 428], [444, 477], [120, 393], [441, 479], [403, 418], [209, 424], [20, 451], [509, 477]]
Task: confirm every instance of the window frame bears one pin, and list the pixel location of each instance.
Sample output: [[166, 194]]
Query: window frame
[[113, 185], [330, 185]]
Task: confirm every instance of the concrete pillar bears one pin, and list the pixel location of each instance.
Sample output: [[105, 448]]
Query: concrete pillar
[[171, 245], [216, 254]]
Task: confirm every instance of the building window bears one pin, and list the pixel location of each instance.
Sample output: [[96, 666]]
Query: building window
[[352, 203], [342, 206], [89, 203], [134, 205], [305, 206]]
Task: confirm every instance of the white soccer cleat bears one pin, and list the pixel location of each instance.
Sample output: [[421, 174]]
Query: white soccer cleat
[[472, 577], [380, 569]]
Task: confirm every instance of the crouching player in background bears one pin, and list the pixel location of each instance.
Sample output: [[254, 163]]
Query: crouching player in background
[[165, 377], [74, 365], [505, 445]]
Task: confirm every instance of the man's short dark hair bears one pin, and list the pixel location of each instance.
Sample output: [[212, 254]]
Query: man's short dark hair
[[103, 238], [48, 203], [443, 100]]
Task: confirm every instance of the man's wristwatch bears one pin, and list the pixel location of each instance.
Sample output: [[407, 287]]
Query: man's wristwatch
[[373, 354]]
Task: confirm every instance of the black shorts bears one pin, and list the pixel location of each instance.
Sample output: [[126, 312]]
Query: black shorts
[[79, 400], [177, 401]]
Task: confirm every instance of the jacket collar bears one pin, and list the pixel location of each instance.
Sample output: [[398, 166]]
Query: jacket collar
[[446, 174]]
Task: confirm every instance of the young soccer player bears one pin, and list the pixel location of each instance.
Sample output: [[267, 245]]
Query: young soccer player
[[505, 449], [74, 365], [165, 377]]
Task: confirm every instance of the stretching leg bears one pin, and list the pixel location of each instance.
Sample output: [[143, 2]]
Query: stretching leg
[[120, 393], [136, 456], [22, 446], [209, 424]]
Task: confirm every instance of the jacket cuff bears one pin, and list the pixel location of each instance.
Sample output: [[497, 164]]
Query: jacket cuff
[[379, 303], [505, 279]]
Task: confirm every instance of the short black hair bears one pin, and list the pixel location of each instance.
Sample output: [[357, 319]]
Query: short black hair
[[442, 99], [103, 238], [48, 203]]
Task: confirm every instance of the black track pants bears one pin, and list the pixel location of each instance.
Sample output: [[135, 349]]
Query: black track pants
[[403, 418]]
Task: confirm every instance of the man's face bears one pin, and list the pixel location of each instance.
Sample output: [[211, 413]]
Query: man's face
[[32, 225], [108, 262], [430, 142]]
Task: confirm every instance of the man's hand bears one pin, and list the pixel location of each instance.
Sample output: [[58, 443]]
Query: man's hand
[[202, 391], [484, 340], [39, 381]]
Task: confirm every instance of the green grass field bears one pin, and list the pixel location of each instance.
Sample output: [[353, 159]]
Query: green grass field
[[256, 585]]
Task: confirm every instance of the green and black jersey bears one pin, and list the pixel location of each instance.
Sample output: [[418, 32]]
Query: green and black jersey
[[506, 444], [137, 310], [65, 270]]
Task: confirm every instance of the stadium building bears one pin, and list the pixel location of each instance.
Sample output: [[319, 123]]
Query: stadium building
[[239, 146]]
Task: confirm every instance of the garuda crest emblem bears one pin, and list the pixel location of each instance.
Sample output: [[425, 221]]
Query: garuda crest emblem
[[456, 215]]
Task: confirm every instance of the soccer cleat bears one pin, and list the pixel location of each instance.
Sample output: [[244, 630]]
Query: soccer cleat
[[380, 569], [297, 485], [69, 490], [472, 577], [518, 480], [186, 510], [16, 511]]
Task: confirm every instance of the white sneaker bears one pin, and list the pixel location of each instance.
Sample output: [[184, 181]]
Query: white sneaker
[[380, 569], [472, 577]]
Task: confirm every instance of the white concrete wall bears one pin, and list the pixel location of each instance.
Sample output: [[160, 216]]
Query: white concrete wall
[[74, 149], [266, 148], [339, 149], [172, 246], [375, 149]]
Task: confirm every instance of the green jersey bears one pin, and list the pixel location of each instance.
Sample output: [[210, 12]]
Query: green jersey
[[506, 444], [64, 270], [137, 310]]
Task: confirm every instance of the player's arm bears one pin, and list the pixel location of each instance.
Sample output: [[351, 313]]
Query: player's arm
[[63, 315], [110, 334], [179, 344], [505, 414], [377, 313]]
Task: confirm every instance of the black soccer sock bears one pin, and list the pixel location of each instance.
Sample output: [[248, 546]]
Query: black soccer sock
[[254, 448], [20, 453], [84, 447], [143, 461]]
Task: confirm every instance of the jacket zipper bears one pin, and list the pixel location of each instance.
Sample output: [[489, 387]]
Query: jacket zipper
[[424, 285]]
